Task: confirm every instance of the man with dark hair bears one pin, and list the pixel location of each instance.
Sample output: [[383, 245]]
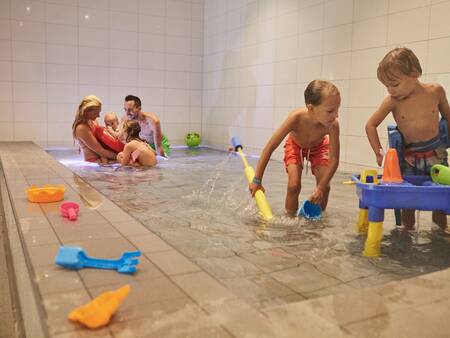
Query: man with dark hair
[[149, 123]]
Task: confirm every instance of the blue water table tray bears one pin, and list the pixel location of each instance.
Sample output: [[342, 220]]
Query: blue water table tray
[[416, 192]]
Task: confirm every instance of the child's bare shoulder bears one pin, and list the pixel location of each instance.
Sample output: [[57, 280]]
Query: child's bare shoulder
[[433, 88], [298, 113]]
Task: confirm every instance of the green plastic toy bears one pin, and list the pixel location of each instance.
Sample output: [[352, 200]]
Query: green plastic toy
[[440, 174], [192, 139]]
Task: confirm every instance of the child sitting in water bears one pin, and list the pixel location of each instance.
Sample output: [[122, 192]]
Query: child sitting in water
[[136, 151], [312, 134]]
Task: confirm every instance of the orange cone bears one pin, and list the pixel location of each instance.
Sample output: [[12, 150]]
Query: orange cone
[[391, 172]]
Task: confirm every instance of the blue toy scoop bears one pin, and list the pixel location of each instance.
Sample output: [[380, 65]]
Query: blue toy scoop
[[310, 210], [72, 257]]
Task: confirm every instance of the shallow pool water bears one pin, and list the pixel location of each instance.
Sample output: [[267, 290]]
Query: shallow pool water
[[199, 203]]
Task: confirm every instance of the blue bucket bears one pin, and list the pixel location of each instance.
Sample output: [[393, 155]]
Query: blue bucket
[[310, 210]]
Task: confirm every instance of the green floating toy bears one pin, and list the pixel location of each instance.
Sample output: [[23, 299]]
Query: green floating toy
[[192, 139], [440, 174]]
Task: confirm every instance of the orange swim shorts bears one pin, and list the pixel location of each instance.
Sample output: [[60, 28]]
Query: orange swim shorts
[[318, 156]]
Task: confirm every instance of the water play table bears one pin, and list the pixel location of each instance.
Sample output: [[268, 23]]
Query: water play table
[[416, 192]]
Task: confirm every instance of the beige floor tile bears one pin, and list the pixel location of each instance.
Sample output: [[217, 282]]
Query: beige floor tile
[[130, 228], [172, 262], [150, 243], [53, 279], [43, 254], [75, 233], [203, 288], [34, 223], [97, 277], [40, 237], [90, 218], [110, 248], [85, 333]]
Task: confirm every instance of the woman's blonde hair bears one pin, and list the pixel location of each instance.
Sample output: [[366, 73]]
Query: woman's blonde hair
[[401, 60], [88, 103]]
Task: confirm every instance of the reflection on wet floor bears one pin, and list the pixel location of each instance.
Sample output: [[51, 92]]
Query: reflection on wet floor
[[198, 202]]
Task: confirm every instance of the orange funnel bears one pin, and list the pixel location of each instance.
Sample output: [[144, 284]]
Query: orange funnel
[[391, 172]]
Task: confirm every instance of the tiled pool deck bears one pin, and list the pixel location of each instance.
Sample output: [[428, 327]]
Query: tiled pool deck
[[171, 295]]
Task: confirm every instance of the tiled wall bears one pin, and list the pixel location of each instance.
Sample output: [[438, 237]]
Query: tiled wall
[[54, 52], [260, 55]]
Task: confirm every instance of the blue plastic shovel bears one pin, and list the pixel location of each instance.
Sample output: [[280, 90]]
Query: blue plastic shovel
[[72, 257]]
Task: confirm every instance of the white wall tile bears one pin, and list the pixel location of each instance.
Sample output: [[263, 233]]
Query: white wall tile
[[311, 18], [91, 56], [93, 17], [404, 5], [61, 112], [61, 14], [338, 39], [124, 6], [178, 45], [5, 9], [439, 26], [150, 60], [365, 93], [336, 66], [29, 92], [6, 71], [93, 75], [29, 72], [365, 62], [30, 131], [151, 42], [5, 29], [370, 33], [151, 78], [309, 69], [28, 31], [123, 58], [6, 131], [408, 26], [152, 24], [123, 21], [62, 54], [28, 51], [99, 4], [366, 9], [154, 7], [24, 10], [63, 34], [93, 37], [6, 112], [123, 77], [178, 9], [6, 91], [5, 50], [30, 112], [310, 44], [178, 27], [178, 80], [338, 12], [62, 93], [62, 73], [438, 61]]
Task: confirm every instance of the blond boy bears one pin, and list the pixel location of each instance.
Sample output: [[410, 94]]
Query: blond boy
[[416, 108]]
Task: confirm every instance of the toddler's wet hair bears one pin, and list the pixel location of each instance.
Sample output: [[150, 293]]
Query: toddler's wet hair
[[401, 60], [132, 129], [317, 90]]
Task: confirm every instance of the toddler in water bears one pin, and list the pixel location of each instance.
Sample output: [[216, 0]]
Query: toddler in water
[[136, 151], [312, 134]]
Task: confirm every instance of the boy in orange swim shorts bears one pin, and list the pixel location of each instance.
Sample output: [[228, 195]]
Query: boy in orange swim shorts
[[313, 134]]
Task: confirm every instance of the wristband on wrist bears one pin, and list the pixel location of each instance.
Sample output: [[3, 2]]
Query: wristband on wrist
[[257, 180]]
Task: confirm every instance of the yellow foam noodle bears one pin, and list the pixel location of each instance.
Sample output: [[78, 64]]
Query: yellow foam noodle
[[263, 205], [99, 311], [363, 221], [373, 241], [260, 197]]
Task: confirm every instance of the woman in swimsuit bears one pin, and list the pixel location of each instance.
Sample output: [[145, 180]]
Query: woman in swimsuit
[[83, 131], [136, 151]]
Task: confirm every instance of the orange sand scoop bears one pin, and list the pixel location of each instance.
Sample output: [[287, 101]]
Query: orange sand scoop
[[99, 311], [46, 194], [391, 172]]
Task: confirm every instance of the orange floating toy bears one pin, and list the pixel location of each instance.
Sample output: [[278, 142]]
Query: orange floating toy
[[99, 311], [46, 194]]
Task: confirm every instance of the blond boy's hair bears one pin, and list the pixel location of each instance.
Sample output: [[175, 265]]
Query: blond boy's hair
[[401, 60], [317, 90]]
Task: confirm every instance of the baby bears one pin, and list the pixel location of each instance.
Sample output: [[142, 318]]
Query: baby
[[112, 125]]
